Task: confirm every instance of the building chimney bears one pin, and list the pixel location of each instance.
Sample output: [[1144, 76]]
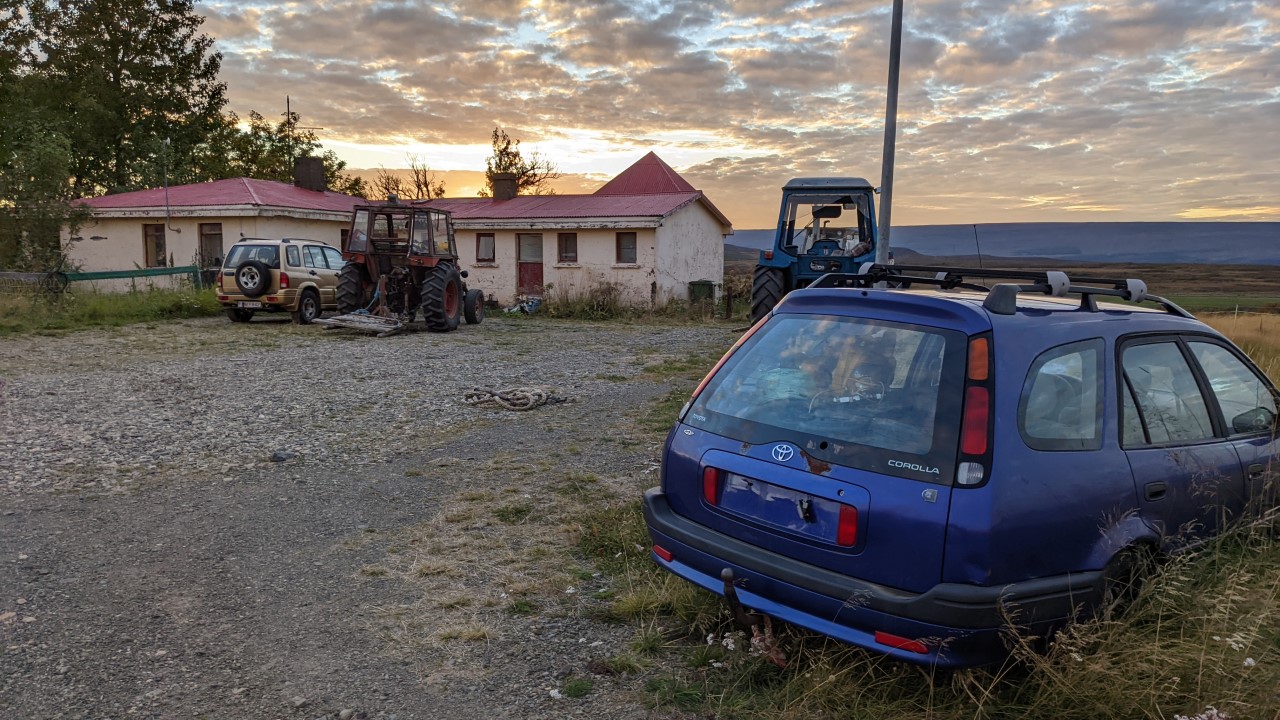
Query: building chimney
[[504, 186], [308, 173]]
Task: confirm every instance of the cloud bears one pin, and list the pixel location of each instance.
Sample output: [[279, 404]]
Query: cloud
[[1046, 109]]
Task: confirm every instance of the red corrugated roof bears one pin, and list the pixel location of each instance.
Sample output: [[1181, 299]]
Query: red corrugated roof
[[649, 188], [649, 175], [235, 191], [565, 206]]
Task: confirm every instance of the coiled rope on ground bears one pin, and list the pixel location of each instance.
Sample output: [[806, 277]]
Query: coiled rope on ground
[[516, 398]]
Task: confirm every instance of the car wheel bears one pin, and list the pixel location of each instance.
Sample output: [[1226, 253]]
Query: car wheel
[[350, 289], [1122, 580], [442, 298], [308, 308], [238, 315], [766, 290], [253, 278], [473, 307]]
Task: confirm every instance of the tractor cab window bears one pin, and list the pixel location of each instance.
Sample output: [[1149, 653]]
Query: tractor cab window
[[358, 239], [440, 230], [828, 225], [421, 234]]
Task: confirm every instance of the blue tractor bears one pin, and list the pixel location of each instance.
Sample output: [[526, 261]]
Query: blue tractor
[[825, 225]]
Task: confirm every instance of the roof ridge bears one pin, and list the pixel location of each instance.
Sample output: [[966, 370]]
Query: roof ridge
[[249, 188]]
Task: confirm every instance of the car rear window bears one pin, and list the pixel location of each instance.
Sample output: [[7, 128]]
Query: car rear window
[[876, 395], [266, 254]]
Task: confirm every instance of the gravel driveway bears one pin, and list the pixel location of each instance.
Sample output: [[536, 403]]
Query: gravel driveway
[[203, 519]]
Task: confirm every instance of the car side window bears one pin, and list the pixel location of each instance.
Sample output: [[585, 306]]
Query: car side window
[[1245, 399], [315, 256], [293, 257], [1060, 408], [1168, 400], [335, 258]]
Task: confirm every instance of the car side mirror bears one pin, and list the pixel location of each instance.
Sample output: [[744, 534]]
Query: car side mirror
[[1255, 420]]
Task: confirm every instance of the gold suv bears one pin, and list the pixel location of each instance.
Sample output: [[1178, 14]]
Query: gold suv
[[293, 275]]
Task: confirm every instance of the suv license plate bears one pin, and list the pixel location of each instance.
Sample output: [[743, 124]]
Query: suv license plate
[[248, 304]]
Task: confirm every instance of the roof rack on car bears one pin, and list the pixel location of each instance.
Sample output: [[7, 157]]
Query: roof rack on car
[[1002, 299]]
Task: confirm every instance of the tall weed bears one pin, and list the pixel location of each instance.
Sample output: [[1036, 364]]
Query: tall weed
[[21, 314]]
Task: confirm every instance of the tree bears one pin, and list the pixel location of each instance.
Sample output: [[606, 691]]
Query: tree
[[35, 201], [533, 174], [264, 151], [421, 184], [122, 76]]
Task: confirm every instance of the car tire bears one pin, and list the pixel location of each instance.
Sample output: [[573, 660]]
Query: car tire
[[253, 278], [308, 308], [767, 288], [1122, 580], [442, 298], [350, 289], [239, 316], [473, 307]]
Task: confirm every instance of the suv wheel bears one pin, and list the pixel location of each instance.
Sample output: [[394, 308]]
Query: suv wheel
[[308, 308], [442, 298], [473, 307], [253, 278], [238, 315]]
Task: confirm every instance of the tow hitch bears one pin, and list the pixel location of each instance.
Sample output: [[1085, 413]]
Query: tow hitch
[[747, 620], [763, 642]]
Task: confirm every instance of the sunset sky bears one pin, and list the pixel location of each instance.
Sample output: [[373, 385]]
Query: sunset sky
[[1042, 110]]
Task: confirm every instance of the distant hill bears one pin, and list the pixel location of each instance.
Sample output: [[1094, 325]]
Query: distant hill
[[1218, 243]]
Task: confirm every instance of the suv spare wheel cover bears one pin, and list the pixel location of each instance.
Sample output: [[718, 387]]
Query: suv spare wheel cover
[[253, 278]]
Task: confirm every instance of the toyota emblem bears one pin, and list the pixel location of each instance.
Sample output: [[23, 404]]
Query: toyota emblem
[[783, 452]]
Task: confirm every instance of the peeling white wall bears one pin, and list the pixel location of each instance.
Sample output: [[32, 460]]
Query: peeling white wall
[[597, 263], [122, 246], [690, 247]]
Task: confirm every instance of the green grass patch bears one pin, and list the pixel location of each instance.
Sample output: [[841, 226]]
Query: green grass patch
[[1221, 303], [512, 514], [76, 311], [578, 687]]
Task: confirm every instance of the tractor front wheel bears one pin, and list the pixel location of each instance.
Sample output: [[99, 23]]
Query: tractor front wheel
[[767, 288], [350, 289], [442, 298], [473, 307]]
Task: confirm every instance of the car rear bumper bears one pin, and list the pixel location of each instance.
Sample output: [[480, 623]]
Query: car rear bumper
[[961, 625], [283, 301]]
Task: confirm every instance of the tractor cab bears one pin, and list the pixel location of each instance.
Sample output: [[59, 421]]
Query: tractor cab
[[421, 235], [825, 225]]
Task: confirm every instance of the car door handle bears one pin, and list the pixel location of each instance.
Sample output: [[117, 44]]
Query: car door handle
[[1156, 490], [1255, 472], [313, 272]]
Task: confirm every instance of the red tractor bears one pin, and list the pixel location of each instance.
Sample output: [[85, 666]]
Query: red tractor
[[399, 258]]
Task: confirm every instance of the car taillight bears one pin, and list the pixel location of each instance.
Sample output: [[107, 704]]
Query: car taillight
[[975, 423], [284, 281], [847, 526], [711, 485]]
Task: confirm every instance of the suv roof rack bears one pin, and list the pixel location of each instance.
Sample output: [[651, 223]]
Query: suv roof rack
[[1002, 299]]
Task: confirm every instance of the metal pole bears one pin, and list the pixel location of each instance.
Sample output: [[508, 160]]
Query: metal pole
[[890, 136]]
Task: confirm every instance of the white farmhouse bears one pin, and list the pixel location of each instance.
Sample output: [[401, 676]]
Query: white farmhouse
[[647, 231]]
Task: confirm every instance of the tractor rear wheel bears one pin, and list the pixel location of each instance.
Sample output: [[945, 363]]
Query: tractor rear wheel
[[442, 298], [767, 288], [350, 289], [473, 307]]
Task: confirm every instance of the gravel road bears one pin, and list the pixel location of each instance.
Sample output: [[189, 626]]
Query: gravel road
[[202, 519]]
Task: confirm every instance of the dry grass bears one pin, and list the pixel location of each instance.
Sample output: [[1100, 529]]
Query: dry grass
[[1258, 334]]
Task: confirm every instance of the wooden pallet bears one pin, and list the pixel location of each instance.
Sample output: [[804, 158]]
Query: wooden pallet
[[366, 322]]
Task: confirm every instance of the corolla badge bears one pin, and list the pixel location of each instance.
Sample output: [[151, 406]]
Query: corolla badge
[[783, 452]]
